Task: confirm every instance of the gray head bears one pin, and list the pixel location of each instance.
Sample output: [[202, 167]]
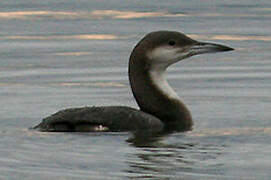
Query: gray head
[[148, 62], [163, 48]]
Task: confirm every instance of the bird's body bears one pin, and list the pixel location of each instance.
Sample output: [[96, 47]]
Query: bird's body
[[88, 119], [160, 106]]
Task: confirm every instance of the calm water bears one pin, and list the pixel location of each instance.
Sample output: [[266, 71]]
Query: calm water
[[60, 54]]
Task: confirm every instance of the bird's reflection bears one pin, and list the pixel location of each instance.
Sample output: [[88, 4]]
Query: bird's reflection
[[167, 155], [147, 138]]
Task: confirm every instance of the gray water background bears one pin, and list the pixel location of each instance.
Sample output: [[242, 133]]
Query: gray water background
[[60, 54]]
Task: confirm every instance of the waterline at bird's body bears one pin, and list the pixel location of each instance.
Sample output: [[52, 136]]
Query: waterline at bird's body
[[160, 107]]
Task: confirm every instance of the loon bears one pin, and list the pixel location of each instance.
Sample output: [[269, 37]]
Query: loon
[[160, 107]]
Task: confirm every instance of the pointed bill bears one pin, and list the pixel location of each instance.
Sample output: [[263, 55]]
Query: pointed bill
[[202, 48]]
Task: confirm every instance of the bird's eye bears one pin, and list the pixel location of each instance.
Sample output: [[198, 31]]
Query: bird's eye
[[171, 42]]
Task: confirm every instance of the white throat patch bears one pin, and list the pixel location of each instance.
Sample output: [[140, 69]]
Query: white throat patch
[[158, 78], [165, 56]]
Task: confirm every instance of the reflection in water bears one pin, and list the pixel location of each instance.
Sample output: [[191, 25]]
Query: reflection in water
[[113, 14], [185, 155], [157, 158], [37, 64], [231, 37], [97, 84], [262, 9], [62, 37], [241, 38], [146, 138], [233, 131], [131, 14], [31, 14], [81, 53], [113, 37], [96, 14]]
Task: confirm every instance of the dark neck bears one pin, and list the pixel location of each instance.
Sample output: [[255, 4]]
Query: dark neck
[[155, 96]]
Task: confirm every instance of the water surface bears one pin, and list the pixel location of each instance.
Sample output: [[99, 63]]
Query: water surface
[[55, 55]]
